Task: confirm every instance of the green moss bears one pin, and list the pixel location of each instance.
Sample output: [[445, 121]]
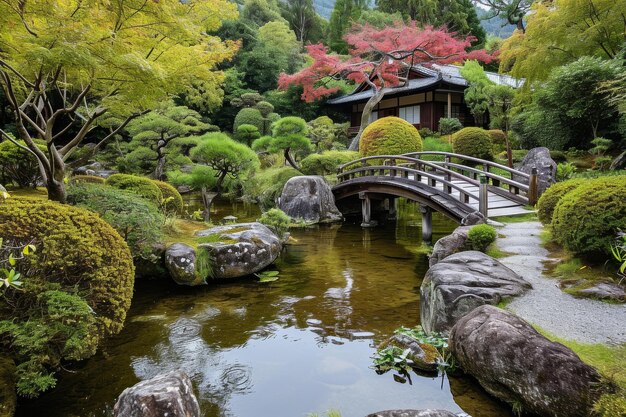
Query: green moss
[[77, 287], [183, 231], [551, 197], [8, 398], [474, 142], [172, 200], [495, 252], [141, 186], [390, 136], [528, 217], [586, 220], [87, 178], [327, 162]]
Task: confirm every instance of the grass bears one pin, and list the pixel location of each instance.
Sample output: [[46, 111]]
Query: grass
[[204, 266], [495, 252], [529, 217], [182, 231]]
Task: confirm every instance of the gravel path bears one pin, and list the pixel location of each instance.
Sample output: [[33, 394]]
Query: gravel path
[[546, 305]]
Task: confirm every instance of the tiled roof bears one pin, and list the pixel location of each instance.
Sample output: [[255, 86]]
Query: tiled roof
[[448, 73]]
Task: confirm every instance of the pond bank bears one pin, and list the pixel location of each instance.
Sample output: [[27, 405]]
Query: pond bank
[[546, 305]]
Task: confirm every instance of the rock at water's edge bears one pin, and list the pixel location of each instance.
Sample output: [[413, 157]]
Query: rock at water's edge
[[243, 249], [449, 245], [309, 198], [423, 356], [604, 291], [168, 395], [462, 282], [515, 363], [180, 260]]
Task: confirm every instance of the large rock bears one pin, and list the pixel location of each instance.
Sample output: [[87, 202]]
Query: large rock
[[474, 218], [546, 168], [449, 245], [168, 395], [513, 362], [462, 282], [309, 198], [604, 291], [413, 413], [422, 356], [180, 260], [241, 249]]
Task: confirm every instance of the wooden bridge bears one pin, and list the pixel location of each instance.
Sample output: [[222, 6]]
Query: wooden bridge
[[452, 184]]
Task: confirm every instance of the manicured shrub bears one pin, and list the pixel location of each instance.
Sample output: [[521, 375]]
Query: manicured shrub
[[138, 221], [449, 125], [247, 134], [92, 179], [277, 220], [551, 197], [172, 200], [473, 141], [141, 186], [587, 219], [249, 116], [77, 288], [327, 162], [481, 236], [265, 186], [498, 140], [18, 166], [389, 136]]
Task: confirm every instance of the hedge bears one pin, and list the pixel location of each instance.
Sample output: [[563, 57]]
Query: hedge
[[587, 219], [77, 288], [141, 186], [551, 197], [327, 162], [172, 200], [474, 142], [390, 136]]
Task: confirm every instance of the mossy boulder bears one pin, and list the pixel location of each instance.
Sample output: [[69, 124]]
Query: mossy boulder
[[474, 142], [172, 200], [142, 186], [390, 136], [587, 219], [551, 197], [77, 288]]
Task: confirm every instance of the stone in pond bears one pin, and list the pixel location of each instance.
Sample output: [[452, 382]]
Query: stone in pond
[[168, 395], [448, 245], [423, 356], [605, 291], [240, 249], [460, 283], [309, 198], [180, 261], [516, 364]]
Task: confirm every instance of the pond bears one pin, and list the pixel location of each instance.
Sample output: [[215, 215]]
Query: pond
[[299, 345]]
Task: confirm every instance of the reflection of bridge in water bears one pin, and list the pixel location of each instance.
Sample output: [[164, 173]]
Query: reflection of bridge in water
[[455, 185]]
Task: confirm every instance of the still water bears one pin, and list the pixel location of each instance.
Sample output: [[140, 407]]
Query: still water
[[299, 345]]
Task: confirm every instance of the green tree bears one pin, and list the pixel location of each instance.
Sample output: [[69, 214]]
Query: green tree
[[344, 14], [560, 32], [247, 134], [288, 134], [500, 101], [301, 17], [475, 95], [424, 11], [261, 12], [227, 158], [63, 67], [158, 129]]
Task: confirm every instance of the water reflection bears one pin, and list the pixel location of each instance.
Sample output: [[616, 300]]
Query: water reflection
[[300, 344]]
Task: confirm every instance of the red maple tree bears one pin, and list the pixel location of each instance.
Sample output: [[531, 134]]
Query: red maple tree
[[381, 58]]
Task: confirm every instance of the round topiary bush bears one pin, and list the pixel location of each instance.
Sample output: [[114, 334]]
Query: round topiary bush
[[249, 116], [481, 236], [172, 200], [389, 136], [551, 197], [474, 142], [141, 186], [587, 219], [138, 221], [77, 287], [498, 137]]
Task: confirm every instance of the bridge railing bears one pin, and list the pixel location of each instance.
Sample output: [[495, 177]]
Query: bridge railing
[[446, 171]]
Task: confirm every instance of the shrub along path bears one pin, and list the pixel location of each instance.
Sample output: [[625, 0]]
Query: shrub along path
[[546, 305]]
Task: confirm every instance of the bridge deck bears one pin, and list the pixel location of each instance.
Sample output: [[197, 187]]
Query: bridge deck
[[498, 206]]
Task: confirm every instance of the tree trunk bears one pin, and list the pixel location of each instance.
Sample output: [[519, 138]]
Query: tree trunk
[[365, 117], [56, 190], [291, 162], [207, 200]]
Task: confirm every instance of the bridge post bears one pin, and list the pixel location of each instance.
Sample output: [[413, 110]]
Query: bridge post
[[366, 210], [427, 224], [533, 187], [483, 197]]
